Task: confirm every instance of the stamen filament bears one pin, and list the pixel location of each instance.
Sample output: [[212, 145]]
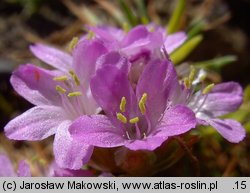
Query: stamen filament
[[60, 89], [142, 103], [73, 94], [148, 130], [123, 104], [60, 78], [127, 135], [138, 132], [208, 89], [201, 105], [121, 117], [134, 120]]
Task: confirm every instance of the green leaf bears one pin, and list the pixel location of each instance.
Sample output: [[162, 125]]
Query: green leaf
[[247, 94], [142, 11], [128, 13], [90, 16], [5, 106], [196, 28], [240, 115], [29, 6], [216, 63], [176, 16], [247, 127], [113, 10], [182, 52]]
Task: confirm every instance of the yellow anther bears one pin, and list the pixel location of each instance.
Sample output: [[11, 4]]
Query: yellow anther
[[208, 89], [90, 35], [73, 94], [192, 74], [144, 97], [142, 108], [121, 117], [134, 120], [202, 78], [123, 104], [60, 78], [142, 103], [74, 76], [77, 81], [73, 43], [187, 83], [60, 89]]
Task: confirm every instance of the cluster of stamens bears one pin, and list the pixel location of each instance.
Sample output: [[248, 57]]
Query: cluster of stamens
[[134, 120], [188, 83], [122, 118], [65, 78]]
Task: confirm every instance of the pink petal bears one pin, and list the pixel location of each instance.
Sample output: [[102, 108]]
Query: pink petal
[[229, 129], [56, 171], [223, 99], [70, 153], [52, 56], [35, 84], [152, 82], [85, 56], [115, 59], [23, 169], [6, 168], [37, 123], [149, 143], [175, 40], [136, 34], [176, 121], [96, 130], [107, 33], [108, 87]]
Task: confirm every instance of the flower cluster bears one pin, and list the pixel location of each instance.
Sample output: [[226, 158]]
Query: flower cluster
[[117, 89]]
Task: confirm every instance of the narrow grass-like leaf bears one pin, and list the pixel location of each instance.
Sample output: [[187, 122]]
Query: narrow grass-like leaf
[[182, 52], [216, 63], [5, 106], [113, 10], [247, 94], [240, 115], [196, 28], [247, 127], [142, 11], [82, 12], [176, 16], [128, 12]]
